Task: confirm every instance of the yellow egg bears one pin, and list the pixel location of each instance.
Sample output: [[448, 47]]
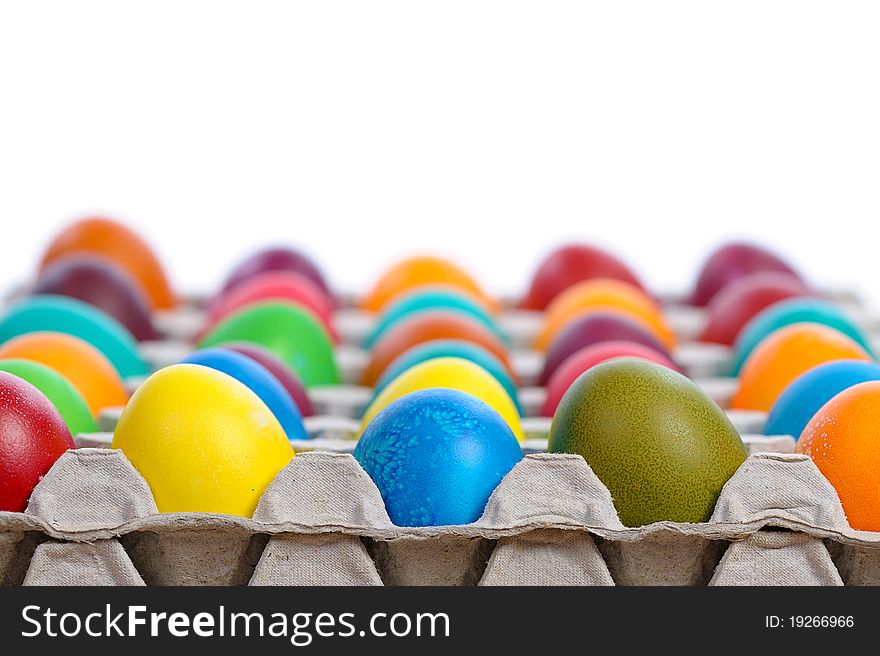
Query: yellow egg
[[202, 440], [451, 373]]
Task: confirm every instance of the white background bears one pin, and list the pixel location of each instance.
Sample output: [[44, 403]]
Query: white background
[[488, 131]]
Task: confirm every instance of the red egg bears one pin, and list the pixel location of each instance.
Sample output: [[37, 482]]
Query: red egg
[[731, 262], [33, 436], [593, 327], [274, 285], [277, 258], [735, 305], [103, 284], [285, 375], [579, 362], [569, 265]]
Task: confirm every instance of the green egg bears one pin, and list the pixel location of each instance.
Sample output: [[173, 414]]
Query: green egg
[[423, 300], [67, 315], [289, 331], [661, 446], [69, 403]]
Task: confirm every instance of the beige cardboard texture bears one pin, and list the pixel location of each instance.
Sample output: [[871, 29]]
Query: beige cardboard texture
[[92, 520]]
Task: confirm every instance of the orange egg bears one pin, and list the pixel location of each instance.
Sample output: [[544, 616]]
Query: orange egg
[[842, 439], [422, 270], [783, 356], [422, 327], [84, 366], [604, 294], [119, 244]]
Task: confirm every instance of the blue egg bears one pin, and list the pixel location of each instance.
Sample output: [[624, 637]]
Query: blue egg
[[811, 390], [260, 381], [449, 348], [785, 313], [61, 314], [436, 456], [423, 300]]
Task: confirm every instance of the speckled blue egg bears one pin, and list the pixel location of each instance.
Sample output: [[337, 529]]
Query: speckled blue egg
[[421, 300], [788, 312], [449, 348], [260, 381], [436, 456], [808, 392]]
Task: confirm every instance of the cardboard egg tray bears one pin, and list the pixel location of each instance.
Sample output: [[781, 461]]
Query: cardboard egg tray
[[92, 520]]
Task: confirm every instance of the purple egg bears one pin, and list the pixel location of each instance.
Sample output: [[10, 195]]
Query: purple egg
[[289, 380], [276, 258], [104, 285], [731, 262], [593, 327]]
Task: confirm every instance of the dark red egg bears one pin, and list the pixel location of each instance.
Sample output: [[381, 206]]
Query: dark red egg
[[33, 436], [274, 285], [285, 375], [277, 258], [731, 262], [735, 305], [569, 265], [580, 361], [593, 327], [107, 286]]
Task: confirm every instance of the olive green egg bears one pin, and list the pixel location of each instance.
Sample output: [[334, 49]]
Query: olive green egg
[[660, 445]]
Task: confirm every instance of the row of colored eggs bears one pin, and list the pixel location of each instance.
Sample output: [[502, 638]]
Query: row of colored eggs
[[432, 385]]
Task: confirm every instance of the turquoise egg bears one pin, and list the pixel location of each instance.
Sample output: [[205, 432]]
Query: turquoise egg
[[431, 299], [449, 348], [436, 456], [791, 311], [61, 314], [807, 393]]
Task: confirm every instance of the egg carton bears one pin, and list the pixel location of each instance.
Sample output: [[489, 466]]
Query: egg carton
[[92, 520]]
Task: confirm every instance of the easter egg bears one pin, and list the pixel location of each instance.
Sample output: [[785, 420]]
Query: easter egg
[[783, 356], [807, 393], [419, 271], [33, 436], [735, 305], [448, 373], [592, 327], [436, 456], [785, 313], [67, 315], [449, 348], [287, 330], [603, 294], [61, 394], [568, 265], [842, 440], [427, 326], [580, 361], [730, 262], [121, 245], [258, 379], [202, 440], [275, 286], [280, 370], [103, 284], [423, 299], [80, 363], [277, 258], [660, 445]]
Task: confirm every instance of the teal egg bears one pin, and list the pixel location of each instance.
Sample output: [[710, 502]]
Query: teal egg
[[431, 299], [61, 314], [449, 348], [785, 313]]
